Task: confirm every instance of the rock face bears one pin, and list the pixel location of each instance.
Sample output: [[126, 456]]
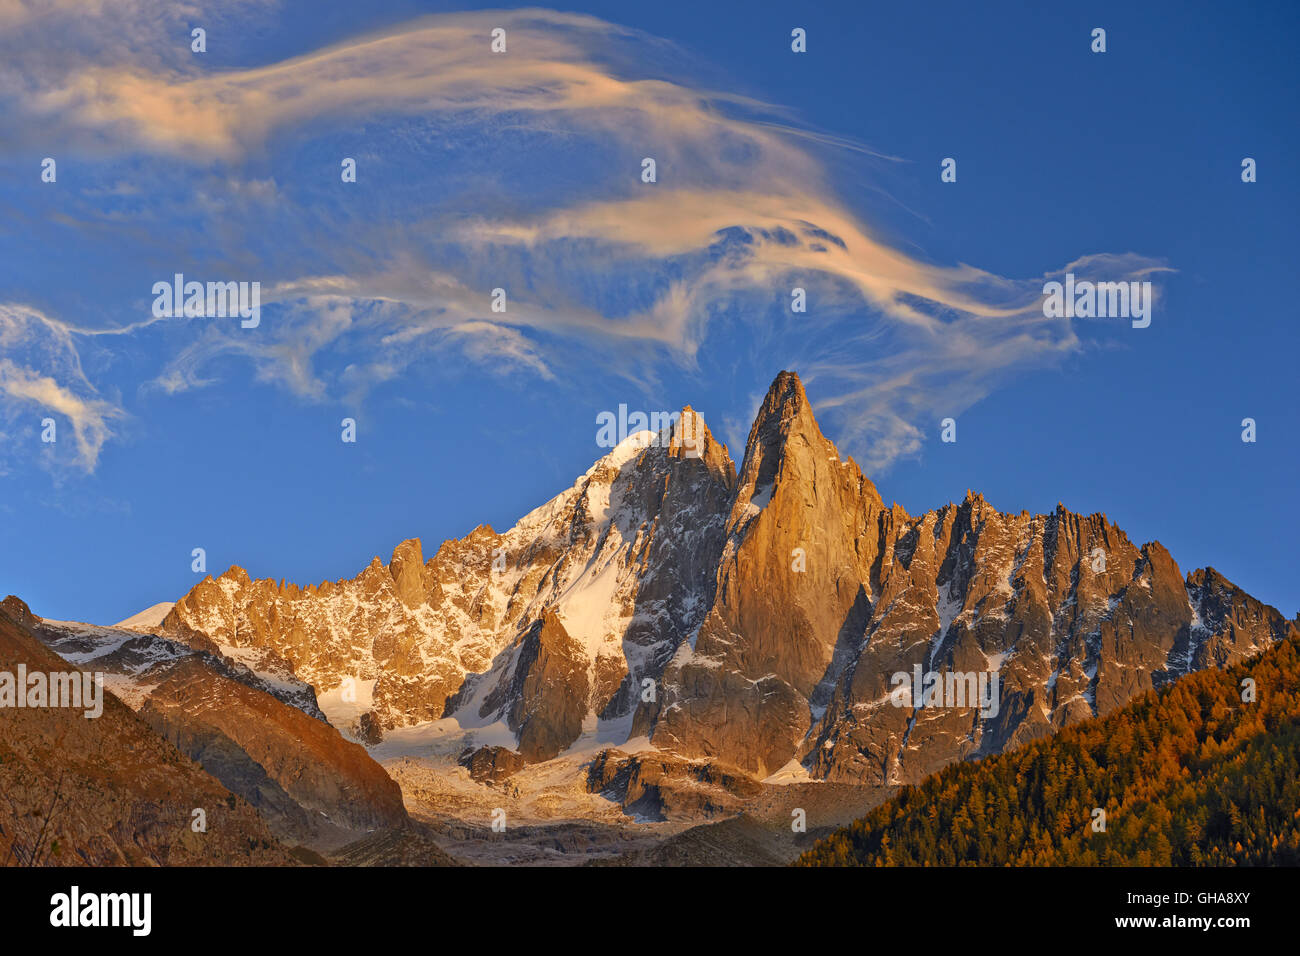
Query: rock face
[[311, 785], [752, 619], [660, 786], [492, 765], [549, 693], [801, 540], [1071, 617], [108, 791]]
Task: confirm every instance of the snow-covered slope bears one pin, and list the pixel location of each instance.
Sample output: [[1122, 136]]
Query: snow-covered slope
[[135, 662], [149, 619]]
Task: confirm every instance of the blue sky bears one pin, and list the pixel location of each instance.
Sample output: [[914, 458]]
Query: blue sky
[[522, 170]]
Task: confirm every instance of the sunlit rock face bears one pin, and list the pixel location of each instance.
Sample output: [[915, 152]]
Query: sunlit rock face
[[756, 618]]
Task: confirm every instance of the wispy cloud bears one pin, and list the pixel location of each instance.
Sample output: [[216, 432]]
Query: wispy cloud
[[52, 383], [640, 274]]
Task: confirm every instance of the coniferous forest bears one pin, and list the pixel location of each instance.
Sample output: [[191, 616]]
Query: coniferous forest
[[1195, 774]]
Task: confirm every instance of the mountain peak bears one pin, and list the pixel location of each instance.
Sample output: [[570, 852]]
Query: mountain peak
[[785, 398], [784, 412], [235, 573], [17, 609], [407, 569], [691, 438], [408, 550], [785, 431]]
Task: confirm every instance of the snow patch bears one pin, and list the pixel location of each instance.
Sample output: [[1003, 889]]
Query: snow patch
[[148, 619], [792, 772], [342, 714]]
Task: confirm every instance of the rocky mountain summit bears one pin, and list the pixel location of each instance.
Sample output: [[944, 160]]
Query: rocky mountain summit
[[548, 628], [756, 619]]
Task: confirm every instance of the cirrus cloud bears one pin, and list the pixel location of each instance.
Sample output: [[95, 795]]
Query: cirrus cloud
[[539, 152]]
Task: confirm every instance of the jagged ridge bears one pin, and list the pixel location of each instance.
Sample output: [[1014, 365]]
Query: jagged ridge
[[753, 618]]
